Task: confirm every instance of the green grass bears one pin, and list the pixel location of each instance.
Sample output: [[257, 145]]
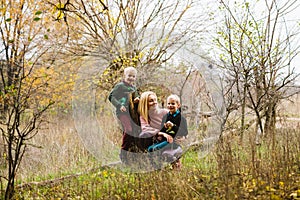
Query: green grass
[[232, 170]]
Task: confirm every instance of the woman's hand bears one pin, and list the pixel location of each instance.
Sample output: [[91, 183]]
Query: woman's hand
[[168, 137], [159, 137]]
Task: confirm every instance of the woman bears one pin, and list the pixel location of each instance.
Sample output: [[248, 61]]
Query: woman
[[150, 118]]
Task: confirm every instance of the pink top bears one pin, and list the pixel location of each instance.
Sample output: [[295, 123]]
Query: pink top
[[155, 118]]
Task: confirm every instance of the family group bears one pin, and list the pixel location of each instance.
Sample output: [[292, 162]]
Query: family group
[[147, 127]]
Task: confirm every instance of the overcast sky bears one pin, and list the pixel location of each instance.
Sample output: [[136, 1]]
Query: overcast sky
[[292, 19]]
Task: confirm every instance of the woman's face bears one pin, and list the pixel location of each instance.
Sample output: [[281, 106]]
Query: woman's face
[[152, 100]]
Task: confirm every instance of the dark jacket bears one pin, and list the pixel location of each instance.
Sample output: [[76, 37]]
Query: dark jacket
[[119, 96], [179, 129], [180, 124]]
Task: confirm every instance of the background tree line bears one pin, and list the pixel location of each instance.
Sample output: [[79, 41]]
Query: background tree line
[[44, 43]]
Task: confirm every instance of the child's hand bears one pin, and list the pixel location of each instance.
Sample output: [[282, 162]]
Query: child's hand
[[123, 109], [136, 100], [168, 124]]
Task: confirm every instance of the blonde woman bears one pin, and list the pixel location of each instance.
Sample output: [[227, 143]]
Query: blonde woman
[[151, 118], [162, 125]]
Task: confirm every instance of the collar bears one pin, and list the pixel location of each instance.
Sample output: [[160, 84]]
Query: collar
[[127, 84], [175, 114]]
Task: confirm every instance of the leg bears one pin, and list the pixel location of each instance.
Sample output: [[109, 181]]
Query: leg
[[127, 142], [176, 165], [130, 145], [126, 122]]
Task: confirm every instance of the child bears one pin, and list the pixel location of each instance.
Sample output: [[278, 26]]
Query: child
[[175, 125], [119, 97]]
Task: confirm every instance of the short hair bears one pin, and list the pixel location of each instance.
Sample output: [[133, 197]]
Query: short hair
[[175, 97], [128, 69]]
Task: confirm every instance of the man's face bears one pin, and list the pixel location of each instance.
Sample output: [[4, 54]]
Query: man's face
[[172, 105], [130, 77]]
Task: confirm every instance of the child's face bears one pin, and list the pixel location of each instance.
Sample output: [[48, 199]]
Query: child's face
[[172, 105], [130, 77], [152, 100]]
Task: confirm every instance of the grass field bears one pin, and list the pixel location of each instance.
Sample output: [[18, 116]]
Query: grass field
[[60, 167], [230, 171]]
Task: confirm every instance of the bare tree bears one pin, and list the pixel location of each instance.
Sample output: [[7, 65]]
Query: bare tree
[[257, 51], [25, 31], [132, 32]]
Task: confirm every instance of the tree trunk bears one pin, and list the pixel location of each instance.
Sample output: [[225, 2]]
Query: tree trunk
[[10, 189], [270, 120]]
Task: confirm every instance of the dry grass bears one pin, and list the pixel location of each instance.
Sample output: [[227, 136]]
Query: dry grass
[[232, 170], [290, 107], [56, 150]]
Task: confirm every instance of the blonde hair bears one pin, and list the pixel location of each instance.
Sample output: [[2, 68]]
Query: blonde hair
[[143, 104], [129, 69], [175, 97]]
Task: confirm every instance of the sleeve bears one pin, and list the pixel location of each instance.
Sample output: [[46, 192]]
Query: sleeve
[[163, 121], [113, 96], [176, 128], [146, 128], [183, 130], [136, 93]]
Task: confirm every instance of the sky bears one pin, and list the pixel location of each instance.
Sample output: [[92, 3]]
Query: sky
[[292, 20]]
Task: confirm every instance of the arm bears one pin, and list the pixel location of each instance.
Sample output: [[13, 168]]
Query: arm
[[168, 126], [163, 130], [147, 128], [182, 130], [137, 96], [162, 125], [115, 97], [171, 127], [167, 136]]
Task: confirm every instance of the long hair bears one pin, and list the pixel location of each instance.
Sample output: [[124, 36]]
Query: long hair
[[133, 109], [143, 104]]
